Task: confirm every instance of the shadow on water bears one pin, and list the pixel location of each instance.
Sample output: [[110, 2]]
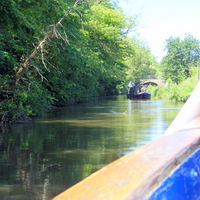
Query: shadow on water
[[45, 156]]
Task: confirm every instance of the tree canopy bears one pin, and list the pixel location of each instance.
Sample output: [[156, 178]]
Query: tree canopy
[[181, 56], [142, 63]]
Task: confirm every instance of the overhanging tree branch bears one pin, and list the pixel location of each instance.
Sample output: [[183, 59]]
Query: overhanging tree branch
[[39, 48]]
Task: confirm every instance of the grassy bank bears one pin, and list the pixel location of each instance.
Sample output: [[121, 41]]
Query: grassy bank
[[174, 92]]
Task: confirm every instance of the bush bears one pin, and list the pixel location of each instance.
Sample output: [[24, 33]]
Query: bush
[[175, 92]]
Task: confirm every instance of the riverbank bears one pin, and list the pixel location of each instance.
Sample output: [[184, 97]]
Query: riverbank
[[174, 92], [179, 93]]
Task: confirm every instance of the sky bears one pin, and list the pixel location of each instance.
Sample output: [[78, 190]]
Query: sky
[[161, 19]]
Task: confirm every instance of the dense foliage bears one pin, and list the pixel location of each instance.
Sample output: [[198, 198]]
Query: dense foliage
[[142, 64], [181, 56], [57, 52]]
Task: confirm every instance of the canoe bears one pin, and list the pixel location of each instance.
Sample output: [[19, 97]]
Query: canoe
[[167, 168]]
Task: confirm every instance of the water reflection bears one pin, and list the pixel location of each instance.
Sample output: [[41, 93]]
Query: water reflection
[[79, 140]]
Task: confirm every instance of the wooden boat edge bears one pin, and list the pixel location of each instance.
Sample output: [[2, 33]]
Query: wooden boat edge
[[137, 175]]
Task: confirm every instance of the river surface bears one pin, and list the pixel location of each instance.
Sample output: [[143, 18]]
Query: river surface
[[43, 157]]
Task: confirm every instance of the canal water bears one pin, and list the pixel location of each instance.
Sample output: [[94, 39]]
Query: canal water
[[43, 157]]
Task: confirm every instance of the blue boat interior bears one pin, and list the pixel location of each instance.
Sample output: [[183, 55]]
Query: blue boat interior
[[183, 183]]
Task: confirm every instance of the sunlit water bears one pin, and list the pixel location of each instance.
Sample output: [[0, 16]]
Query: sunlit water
[[77, 141]]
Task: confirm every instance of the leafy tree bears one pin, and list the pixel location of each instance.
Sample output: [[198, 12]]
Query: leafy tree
[[59, 52], [181, 56], [142, 63], [105, 30]]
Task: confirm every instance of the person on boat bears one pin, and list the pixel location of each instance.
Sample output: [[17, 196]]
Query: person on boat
[[130, 85]]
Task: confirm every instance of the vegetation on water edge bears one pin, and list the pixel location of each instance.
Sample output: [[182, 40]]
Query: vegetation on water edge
[[180, 92], [57, 53], [179, 68]]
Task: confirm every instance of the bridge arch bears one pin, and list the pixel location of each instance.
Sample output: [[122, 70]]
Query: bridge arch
[[158, 82]]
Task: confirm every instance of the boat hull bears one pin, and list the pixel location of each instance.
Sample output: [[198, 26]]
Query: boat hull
[[144, 95], [184, 182], [138, 92]]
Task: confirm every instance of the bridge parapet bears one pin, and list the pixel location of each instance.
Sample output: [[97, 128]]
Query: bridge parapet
[[152, 77]]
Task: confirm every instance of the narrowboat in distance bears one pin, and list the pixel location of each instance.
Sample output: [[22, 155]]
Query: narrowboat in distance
[[138, 92]]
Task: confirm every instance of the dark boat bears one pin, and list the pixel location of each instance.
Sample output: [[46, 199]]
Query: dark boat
[[138, 92]]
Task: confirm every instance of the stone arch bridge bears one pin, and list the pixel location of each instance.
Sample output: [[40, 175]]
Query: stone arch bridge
[[156, 80]]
